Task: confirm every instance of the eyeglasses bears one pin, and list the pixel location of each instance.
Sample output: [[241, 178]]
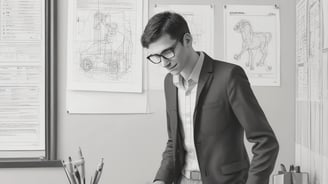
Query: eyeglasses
[[166, 54]]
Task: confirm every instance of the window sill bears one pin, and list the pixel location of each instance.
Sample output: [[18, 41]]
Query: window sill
[[29, 163]]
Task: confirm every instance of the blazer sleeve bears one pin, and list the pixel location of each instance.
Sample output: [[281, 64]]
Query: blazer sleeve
[[256, 126], [166, 170]]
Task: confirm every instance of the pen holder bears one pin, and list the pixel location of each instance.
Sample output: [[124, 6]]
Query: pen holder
[[76, 175]]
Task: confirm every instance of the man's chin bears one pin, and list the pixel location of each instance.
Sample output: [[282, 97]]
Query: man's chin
[[174, 72]]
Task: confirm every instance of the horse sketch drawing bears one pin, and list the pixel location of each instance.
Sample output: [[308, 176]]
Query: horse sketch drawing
[[253, 43]]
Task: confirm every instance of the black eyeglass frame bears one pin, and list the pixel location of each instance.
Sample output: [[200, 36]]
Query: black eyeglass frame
[[160, 56]]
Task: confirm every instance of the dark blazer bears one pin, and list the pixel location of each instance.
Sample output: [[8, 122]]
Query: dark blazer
[[225, 108]]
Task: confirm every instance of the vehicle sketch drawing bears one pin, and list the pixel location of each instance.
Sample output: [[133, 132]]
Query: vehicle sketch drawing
[[254, 43], [110, 48]]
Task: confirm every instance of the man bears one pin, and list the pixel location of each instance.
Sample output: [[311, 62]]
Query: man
[[209, 106]]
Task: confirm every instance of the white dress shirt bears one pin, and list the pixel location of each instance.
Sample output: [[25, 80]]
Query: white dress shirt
[[187, 91]]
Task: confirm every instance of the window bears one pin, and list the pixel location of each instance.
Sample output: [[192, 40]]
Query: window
[[27, 110]]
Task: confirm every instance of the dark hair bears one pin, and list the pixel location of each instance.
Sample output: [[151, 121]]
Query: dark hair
[[166, 22]]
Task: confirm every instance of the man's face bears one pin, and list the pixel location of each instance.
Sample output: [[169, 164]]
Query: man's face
[[165, 46]]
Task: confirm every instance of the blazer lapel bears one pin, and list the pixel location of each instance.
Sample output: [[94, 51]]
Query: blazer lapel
[[172, 105], [172, 94], [204, 78]]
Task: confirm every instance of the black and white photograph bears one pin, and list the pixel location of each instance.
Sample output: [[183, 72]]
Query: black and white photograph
[[163, 92]]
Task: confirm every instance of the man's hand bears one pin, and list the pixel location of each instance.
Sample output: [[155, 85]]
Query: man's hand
[[159, 182]]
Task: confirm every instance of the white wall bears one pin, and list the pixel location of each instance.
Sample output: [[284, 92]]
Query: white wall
[[132, 144], [33, 176]]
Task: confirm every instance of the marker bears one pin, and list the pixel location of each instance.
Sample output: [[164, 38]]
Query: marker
[[70, 165], [75, 162], [82, 166], [283, 168], [298, 169], [99, 171], [69, 179], [77, 174], [70, 170]]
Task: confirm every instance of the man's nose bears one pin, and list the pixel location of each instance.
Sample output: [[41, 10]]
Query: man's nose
[[165, 62]]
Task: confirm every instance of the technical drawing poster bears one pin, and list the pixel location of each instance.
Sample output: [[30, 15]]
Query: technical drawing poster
[[200, 19], [301, 33], [325, 23], [104, 51], [302, 51], [314, 57], [311, 67], [252, 40]]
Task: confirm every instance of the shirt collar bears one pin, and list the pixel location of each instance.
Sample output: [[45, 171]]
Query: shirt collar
[[194, 76]]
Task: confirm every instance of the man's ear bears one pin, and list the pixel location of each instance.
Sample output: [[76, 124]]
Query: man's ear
[[187, 40]]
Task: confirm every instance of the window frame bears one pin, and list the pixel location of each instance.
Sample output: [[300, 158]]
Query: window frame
[[50, 102]]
